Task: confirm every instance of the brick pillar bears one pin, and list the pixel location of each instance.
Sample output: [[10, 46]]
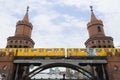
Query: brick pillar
[[6, 66], [113, 67]]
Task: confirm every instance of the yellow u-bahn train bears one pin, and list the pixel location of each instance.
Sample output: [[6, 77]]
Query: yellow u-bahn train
[[59, 52]]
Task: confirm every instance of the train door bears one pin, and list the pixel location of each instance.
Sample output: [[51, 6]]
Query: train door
[[91, 52]]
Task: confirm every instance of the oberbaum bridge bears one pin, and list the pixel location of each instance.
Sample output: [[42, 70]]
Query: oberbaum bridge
[[104, 63]]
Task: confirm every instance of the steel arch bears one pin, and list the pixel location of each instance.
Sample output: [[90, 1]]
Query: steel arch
[[74, 67]]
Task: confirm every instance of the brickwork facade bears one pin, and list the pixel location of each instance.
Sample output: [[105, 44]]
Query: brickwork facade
[[6, 66], [113, 67]]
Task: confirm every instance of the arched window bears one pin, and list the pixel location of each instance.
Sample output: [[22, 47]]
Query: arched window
[[103, 41], [93, 46], [104, 46], [98, 41], [20, 41], [109, 46], [99, 29], [99, 46], [20, 46], [15, 46], [11, 41]]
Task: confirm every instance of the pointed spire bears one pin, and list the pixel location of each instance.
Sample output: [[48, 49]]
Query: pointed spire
[[93, 17], [26, 19]]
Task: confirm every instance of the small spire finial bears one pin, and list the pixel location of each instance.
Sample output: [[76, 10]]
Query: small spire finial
[[27, 8], [91, 7]]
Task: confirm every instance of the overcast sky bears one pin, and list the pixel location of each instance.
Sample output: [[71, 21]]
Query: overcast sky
[[59, 23]]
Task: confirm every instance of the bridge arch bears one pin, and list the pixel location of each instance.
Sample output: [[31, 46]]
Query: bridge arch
[[67, 65]]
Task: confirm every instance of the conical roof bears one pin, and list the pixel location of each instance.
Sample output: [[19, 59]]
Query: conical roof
[[26, 18], [93, 19]]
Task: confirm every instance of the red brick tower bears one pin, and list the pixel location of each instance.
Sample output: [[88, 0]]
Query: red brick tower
[[22, 37], [6, 65], [97, 37]]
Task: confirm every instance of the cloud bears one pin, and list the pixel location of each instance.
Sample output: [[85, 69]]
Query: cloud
[[60, 34]]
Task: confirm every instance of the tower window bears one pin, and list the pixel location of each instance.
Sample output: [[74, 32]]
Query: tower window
[[20, 46], [11, 41], [16, 41], [109, 46], [93, 46], [99, 46], [92, 42], [98, 41], [15, 46], [20, 41], [10, 46], [103, 41], [26, 42], [99, 29], [108, 41], [104, 46]]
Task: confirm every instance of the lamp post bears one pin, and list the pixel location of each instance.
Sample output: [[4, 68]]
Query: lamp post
[[63, 76]]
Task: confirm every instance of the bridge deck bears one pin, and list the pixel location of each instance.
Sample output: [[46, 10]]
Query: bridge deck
[[82, 60]]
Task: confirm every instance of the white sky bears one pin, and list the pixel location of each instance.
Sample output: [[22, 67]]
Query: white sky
[[59, 23]]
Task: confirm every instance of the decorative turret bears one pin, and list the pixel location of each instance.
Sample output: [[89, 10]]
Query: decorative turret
[[22, 37], [25, 19], [95, 26], [97, 36], [24, 27]]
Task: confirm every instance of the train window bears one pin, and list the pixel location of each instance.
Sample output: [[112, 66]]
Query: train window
[[55, 50], [112, 50], [34, 50], [19, 50], [98, 50], [7, 50], [0, 50], [12, 50], [48, 50], [118, 50], [69, 50], [25, 50], [62, 49], [83, 50], [75, 50], [106, 50], [41, 50]]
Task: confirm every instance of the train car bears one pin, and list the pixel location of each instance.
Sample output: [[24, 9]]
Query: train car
[[91, 52], [112, 51], [76, 52], [7, 51], [100, 52], [34, 52], [41, 52]]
